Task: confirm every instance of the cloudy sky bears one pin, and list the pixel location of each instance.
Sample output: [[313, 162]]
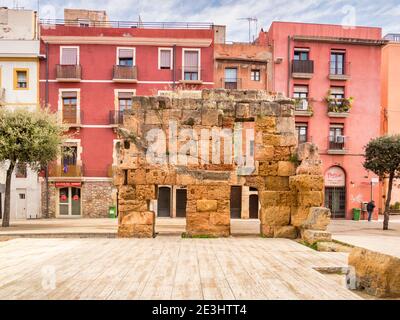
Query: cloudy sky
[[383, 13]]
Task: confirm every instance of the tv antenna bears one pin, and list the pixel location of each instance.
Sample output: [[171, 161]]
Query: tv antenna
[[250, 20]]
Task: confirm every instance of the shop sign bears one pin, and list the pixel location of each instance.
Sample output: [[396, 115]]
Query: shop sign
[[335, 177], [68, 184]]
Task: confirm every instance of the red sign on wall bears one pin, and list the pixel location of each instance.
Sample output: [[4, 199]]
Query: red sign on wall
[[75, 197], [68, 184]]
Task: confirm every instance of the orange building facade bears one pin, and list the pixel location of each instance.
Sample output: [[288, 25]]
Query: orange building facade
[[391, 99]]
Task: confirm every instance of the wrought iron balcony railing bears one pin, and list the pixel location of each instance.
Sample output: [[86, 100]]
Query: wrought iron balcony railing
[[302, 66], [70, 171], [124, 73]]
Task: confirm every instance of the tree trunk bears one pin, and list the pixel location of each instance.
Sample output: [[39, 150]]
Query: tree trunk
[[387, 204], [7, 200]]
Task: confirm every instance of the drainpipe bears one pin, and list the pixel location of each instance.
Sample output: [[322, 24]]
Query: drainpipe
[[173, 66], [289, 64], [46, 104]]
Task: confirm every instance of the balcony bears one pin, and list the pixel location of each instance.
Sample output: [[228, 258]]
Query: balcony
[[303, 108], [302, 69], [73, 119], [125, 74], [190, 75], [116, 118], [69, 73], [67, 171], [336, 145], [2, 96], [230, 83], [339, 108], [339, 72]]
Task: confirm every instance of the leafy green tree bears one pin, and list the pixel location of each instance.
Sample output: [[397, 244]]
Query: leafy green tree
[[31, 138], [382, 156]]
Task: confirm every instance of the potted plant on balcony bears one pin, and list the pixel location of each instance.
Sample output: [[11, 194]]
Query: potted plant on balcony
[[303, 105], [339, 105]]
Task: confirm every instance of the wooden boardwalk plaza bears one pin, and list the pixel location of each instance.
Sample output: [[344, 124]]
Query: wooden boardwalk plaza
[[167, 267]]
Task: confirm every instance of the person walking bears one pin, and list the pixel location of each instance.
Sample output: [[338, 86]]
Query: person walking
[[370, 209]]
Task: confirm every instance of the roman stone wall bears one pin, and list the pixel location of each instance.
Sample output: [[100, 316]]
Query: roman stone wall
[[263, 154]]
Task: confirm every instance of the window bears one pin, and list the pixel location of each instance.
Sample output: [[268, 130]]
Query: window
[[255, 75], [21, 79], [300, 93], [83, 23], [125, 101], [191, 65], [20, 170], [21, 196], [69, 107], [301, 130], [230, 78], [337, 63], [337, 92], [69, 56], [165, 58], [126, 57], [336, 137], [301, 54]]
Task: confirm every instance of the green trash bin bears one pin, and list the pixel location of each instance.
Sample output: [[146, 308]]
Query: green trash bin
[[356, 214], [112, 212]]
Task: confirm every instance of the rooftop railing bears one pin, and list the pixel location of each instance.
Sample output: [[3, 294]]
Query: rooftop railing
[[127, 24]]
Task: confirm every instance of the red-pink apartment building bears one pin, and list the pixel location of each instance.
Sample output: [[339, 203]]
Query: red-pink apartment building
[[313, 62], [88, 74]]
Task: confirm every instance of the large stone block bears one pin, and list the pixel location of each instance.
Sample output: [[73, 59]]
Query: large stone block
[[266, 124], [263, 152], [313, 236], [286, 168], [299, 215], [318, 219], [276, 198], [268, 168], [275, 215], [377, 273], [132, 205], [210, 117], [137, 224], [307, 182], [275, 183], [207, 205], [127, 192], [285, 125], [287, 232], [145, 192], [310, 198]]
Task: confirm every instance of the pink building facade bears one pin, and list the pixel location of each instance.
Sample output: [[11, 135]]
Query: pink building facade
[[334, 75]]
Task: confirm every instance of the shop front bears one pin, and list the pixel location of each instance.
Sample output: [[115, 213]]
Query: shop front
[[335, 192], [69, 199]]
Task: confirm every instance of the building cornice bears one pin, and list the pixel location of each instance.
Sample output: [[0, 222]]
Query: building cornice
[[127, 41], [246, 60], [357, 41]]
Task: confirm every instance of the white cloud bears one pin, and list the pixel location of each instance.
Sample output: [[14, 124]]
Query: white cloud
[[378, 13]]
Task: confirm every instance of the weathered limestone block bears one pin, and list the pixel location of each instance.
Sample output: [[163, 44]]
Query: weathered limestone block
[[287, 232], [318, 219], [209, 192], [132, 205], [263, 152], [313, 236], [153, 117], [275, 215], [118, 177], [276, 198], [145, 192], [275, 183], [288, 140], [286, 168], [137, 176], [191, 117], [299, 215], [270, 109], [305, 182], [210, 117], [282, 153], [310, 199], [308, 154], [268, 168], [206, 205], [285, 125], [127, 192], [377, 273], [266, 124], [137, 224], [242, 111]]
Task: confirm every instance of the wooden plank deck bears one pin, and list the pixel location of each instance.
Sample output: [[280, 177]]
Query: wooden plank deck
[[166, 267]]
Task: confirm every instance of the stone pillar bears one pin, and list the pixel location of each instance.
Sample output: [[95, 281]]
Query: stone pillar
[[245, 202], [208, 210], [135, 218]]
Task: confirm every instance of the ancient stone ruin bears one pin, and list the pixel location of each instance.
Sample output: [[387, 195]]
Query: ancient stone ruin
[[207, 147]]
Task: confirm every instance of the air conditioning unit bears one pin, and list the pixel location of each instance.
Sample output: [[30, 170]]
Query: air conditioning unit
[[340, 139]]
